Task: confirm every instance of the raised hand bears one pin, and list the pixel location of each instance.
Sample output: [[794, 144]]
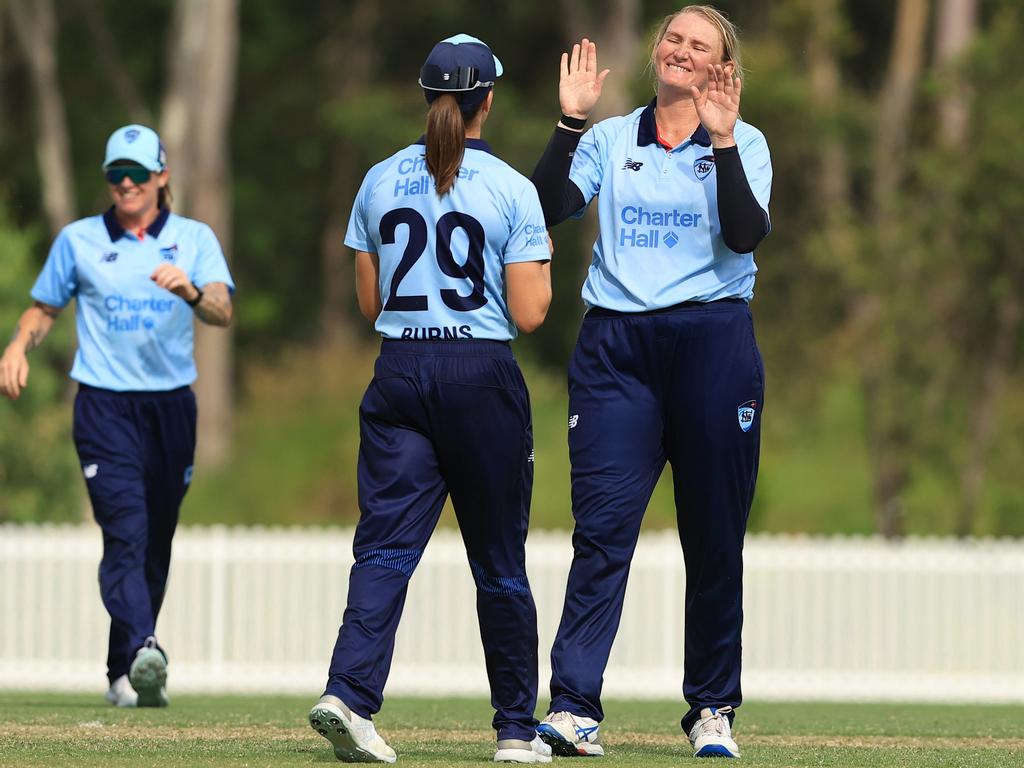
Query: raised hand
[[173, 279], [579, 86], [719, 106]]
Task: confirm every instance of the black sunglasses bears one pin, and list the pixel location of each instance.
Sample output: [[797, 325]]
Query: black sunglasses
[[434, 78], [136, 173]]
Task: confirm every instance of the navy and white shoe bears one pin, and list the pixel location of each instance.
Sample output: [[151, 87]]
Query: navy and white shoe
[[711, 736], [570, 735], [148, 675], [354, 738]]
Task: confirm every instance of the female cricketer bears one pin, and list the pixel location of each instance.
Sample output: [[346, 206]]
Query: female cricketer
[[666, 367], [452, 256], [139, 274]]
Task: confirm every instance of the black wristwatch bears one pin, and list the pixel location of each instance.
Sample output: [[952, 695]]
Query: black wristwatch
[[198, 298]]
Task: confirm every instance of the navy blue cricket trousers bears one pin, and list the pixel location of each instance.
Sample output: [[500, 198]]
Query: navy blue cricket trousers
[[683, 385], [136, 451], [443, 418]]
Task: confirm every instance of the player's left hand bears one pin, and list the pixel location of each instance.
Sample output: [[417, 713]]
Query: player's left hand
[[719, 106], [174, 279]]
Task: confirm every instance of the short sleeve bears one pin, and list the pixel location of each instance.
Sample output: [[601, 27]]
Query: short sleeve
[[528, 235], [211, 266], [357, 236], [757, 166], [57, 284], [587, 170]]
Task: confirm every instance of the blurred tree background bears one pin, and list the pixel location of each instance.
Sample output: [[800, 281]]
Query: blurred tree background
[[888, 306]]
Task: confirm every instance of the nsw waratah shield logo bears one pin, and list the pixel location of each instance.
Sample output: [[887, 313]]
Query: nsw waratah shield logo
[[745, 413], [703, 166]]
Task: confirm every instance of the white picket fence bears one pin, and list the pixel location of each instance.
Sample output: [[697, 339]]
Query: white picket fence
[[258, 610]]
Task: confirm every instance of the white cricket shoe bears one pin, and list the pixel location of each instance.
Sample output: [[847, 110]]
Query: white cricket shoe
[[517, 751], [354, 738], [121, 693], [148, 675], [711, 736], [569, 735]]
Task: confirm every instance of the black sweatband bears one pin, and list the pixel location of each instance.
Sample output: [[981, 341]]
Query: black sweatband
[[576, 123], [198, 298]]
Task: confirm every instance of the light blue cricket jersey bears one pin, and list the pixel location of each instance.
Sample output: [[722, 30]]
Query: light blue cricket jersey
[[132, 335], [442, 259], [661, 239]]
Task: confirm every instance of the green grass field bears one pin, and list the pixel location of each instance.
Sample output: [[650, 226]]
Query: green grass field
[[78, 730]]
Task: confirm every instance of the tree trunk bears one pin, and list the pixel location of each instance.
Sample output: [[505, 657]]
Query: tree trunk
[[35, 28], [955, 28], [348, 60], [196, 121], [897, 103], [887, 417]]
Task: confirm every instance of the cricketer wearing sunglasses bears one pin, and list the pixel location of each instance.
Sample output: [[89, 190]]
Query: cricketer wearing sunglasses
[[138, 273]]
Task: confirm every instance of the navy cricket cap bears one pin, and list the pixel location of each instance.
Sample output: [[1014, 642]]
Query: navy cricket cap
[[462, 66]]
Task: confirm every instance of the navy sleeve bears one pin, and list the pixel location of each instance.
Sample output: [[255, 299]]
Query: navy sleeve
[[559, 197], [744, 222]]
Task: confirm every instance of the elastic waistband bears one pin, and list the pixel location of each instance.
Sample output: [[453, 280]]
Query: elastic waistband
[[137, 394], [686, 305], [450, 348]]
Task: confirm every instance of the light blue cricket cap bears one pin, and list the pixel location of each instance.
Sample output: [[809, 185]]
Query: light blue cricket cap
[[136, 143]]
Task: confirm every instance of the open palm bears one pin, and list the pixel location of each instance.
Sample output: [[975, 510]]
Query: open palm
[[719, 106], [579, 84]]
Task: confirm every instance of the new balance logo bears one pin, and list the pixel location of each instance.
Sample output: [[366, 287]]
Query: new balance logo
[[90, 471], [108, 257], [632, 165], [530, 458], [574, 420]]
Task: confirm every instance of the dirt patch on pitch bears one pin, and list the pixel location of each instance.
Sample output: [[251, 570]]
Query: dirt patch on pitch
[[97, 730]]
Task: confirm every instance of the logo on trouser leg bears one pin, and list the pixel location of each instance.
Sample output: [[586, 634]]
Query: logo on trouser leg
[[574, 420], [188, 475], [745, 413], [90, 471]]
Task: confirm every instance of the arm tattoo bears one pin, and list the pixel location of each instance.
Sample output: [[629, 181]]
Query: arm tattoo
[[214, 308], [35, 338], [34, 325]]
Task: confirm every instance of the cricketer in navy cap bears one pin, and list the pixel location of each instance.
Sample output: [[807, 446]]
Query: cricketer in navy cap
[[463, 66]]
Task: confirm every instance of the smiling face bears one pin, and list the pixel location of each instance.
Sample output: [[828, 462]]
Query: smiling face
[[137, 200], [681, 57]]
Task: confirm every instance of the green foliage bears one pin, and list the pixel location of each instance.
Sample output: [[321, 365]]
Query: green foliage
[[305, 130], [38, 470]]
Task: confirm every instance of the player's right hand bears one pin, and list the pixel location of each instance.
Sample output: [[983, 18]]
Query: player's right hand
[[579, 86], [13, 373]]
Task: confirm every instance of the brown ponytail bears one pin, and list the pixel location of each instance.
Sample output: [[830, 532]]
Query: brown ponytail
[[164, 197], [446, 141]]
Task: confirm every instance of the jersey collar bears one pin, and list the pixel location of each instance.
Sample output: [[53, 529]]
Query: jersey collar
[[480, 144], [647, 132], [116, 231]]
